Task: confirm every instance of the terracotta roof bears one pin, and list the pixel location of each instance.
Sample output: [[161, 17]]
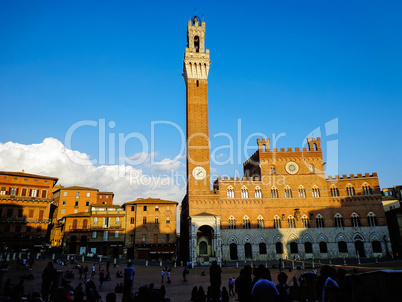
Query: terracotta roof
[[106, 193], [84, 214], [149, 201], [23, 174], [105, 205], [78, 188]]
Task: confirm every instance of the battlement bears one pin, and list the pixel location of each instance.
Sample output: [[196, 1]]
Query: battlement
[[237, 179], [352, 176], [314, 144], [263, 144]]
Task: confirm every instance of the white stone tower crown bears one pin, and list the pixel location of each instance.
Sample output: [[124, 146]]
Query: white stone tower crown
[[196, 57]]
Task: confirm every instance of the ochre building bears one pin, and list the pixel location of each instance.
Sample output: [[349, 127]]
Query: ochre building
[[74, 200], [284, 206], [151, 229], [25, 208]]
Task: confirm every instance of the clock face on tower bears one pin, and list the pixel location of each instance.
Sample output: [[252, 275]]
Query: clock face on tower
[[199, 173], [291, 167]]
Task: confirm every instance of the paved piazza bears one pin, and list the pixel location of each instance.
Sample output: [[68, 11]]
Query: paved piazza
[[177, 290]]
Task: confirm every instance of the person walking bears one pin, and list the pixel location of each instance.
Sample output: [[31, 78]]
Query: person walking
[[185, 273], [231, 286], [162, 275], [85, 272], [168, 277], [129, 273], [101, 278]]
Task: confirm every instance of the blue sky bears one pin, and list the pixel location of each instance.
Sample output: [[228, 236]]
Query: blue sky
[[279, 66]]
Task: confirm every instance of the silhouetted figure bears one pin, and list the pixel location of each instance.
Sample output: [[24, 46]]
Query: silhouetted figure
[[200, 296], [345, 286], [282, 287], [215, 272], [91, 292], [79, 293], [111, 297], [244, 284], [264, 290], [17, 291], [48, 277], [193, 293], [225, 294]]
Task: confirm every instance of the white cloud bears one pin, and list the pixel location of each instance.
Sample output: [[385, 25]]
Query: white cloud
[[51, 158]]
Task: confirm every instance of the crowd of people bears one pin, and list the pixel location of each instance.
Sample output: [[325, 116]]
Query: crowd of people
[[252, 284]]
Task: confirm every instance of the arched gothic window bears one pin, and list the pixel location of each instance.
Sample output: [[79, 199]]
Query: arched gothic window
[[274, 192], [366, 189], [288, 192], [197, 43], [244, 192], [334, 191], [372, 219], [308, 247], [316, 191], [339, 221], [342, 247], [260, 222], [319, 220], [232, 222], [277, 222], [279, 247], [291, 222], [355, 220], [258, 192], [246, 222], [230, 192], [302, 192], [305, 222], [350, 191]]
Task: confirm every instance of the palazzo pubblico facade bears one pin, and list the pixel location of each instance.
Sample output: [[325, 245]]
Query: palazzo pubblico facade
[[284, 206]]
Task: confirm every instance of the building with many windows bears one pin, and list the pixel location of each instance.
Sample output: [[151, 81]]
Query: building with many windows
[[100, 231], [284, 206], [74, 200], [151, 229], [25, 208]]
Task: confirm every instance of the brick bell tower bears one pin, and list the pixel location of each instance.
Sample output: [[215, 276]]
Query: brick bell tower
[[195, 72]]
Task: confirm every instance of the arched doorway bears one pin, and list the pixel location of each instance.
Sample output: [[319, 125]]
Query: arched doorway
[[359, 247], [233, 251], [203, 248], [293, 248], [205, 235], [279, 247], [248, 252]]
